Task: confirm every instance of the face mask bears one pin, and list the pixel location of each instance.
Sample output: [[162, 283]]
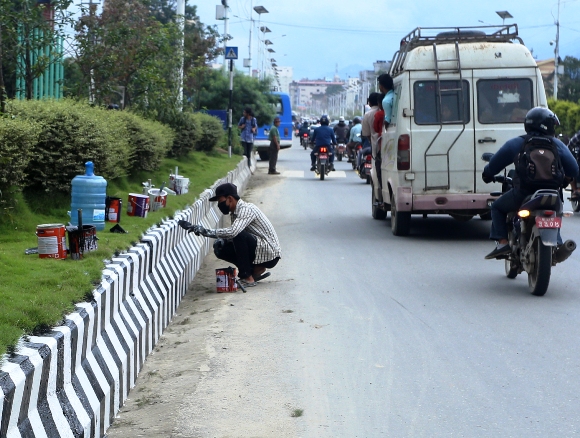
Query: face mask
[[224, 207]]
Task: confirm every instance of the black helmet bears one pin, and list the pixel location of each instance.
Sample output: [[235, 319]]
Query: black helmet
[[541, 120], [324, 120], [356, 120]]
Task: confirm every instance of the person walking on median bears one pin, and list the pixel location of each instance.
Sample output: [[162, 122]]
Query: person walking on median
[[249, 127], [274, 137], [250, 242]]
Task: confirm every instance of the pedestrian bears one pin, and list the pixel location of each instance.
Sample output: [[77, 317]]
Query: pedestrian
[[274, 137], [250, 242], [249, 127]]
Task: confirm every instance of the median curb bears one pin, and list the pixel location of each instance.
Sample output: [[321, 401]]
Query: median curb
[[72, 381]]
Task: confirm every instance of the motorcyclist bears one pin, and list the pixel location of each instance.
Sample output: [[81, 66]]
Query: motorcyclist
[[323, 136], [341, 131], [354, 137], [304, 129], [574, 146], [539, 122]]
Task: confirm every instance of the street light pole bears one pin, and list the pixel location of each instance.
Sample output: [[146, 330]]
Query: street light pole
[[557, 54]]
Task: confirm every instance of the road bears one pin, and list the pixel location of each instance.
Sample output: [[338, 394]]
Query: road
[[368, 334]]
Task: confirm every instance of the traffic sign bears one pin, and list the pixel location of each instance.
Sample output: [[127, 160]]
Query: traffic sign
[[231, 53]]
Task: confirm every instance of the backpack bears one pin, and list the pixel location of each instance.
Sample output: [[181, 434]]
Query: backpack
[[538, 164]]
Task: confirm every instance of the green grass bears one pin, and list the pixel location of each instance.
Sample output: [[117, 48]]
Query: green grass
[[36, 293]]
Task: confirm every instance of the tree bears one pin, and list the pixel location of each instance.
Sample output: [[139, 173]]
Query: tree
[[331, 90], [569, 82], [213, 93]]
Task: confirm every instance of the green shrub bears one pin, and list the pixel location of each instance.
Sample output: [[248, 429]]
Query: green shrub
[[211, 132], [569, 115], [72, 133], [17, 138], [187, 133], [150, 141]]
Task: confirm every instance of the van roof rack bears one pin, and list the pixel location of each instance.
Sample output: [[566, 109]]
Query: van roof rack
[[427, 36]]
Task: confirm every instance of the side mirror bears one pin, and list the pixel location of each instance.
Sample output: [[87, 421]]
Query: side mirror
[[487, 156]]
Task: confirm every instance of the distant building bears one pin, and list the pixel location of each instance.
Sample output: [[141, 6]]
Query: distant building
[[301, 91], [282, 78]]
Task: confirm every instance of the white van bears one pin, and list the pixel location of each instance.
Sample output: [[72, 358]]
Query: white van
[[459, 92]]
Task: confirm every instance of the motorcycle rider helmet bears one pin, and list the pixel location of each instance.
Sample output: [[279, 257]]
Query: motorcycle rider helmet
[[324, 120], [356, 120], [541, 120], [341, 119]]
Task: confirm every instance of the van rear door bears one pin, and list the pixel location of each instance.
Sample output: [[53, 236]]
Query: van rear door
[[442, 144], [502, 99]]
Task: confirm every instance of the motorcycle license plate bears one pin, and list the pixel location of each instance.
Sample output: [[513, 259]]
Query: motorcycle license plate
[[323, 156], [548, 222], [368, 166]]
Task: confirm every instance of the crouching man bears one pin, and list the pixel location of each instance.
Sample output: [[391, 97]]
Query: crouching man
[[250, 242]]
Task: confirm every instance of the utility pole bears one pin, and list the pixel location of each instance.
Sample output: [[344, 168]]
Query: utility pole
[[557, 54], [181, 23], [250, 43], [225, 5]]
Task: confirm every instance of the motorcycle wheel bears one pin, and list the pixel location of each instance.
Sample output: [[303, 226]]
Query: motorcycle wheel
[[339, 156], [539, 277], [368, 179], [376, 212], [575, 206], [511, 271], [322, 171], [400, 220]]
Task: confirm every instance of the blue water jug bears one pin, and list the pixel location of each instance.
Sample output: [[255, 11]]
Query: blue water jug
[[88, 193]]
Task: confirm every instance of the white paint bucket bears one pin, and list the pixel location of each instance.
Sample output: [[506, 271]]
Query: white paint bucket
[[157, 199], [181, 185]]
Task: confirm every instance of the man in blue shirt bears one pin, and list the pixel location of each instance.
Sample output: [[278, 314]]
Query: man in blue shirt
[[249, 127], [323, 136], [354, 137], [386, 87], [538, 122]]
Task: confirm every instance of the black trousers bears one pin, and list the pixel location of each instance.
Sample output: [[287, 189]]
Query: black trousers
[[241, 251], [248, 148], [273, 158]]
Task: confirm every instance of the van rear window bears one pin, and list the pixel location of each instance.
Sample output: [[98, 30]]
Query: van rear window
[[453, 110], [503, 100]]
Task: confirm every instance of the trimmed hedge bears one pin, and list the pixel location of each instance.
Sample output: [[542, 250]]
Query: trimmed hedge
[[569, 115], [211, 132], [17, 139], [187, 134]]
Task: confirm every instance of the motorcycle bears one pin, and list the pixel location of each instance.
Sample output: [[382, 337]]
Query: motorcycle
[[352, 158], [340, 151], [366, 166], [304, 140], [323, 161], [532, 235]]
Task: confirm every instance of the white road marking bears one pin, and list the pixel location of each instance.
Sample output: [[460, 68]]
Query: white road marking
[[293, 173]]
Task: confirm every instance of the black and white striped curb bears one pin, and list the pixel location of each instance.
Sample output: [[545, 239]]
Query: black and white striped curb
[[72, 381]]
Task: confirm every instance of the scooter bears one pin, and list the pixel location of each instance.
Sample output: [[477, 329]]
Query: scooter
[[352, 159], [366, 166], [340, 151], [532, 235], [322, 167]]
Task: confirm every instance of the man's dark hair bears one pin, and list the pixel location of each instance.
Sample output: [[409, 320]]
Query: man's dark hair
[[374, 99], [386, 81], [249, 111]]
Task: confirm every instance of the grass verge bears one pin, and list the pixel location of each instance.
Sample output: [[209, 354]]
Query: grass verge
[[36, 293]]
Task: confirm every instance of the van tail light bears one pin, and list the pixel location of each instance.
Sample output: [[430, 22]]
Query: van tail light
[[404, 152], [323, 150]]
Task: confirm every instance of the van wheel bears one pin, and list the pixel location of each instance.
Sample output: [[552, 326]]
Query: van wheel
[[264, 155], [485, 216], [377, 212], [400, 220]]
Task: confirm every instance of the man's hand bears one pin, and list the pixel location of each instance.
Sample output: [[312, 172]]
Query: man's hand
[[199, 230], [486, 179]]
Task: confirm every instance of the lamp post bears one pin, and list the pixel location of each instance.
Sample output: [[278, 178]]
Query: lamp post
[[261, 56], [259, 10], [557, 53]]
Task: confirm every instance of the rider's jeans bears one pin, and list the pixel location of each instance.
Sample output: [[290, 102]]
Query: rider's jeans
[[509, 201], [315, 150]]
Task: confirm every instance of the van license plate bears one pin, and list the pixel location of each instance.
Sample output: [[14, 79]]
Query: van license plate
[[548, 222]]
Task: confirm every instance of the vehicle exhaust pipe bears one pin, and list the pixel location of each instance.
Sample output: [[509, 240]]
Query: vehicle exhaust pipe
[[564, 251]]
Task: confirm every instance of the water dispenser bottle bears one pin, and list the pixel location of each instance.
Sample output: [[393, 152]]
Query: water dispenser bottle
[[88, 193]]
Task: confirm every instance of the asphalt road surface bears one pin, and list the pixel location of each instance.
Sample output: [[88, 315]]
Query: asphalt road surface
[[359, 333]]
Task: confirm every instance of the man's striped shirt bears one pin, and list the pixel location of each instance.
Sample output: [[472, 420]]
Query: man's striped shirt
[[250, 218]]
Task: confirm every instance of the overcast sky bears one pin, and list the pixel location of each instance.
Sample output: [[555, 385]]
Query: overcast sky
[[323, 33]]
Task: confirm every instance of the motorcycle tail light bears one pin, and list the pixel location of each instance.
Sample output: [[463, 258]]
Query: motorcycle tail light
[[523, 213], [549, 213], [369, 158], [305, 135], [323, 150]]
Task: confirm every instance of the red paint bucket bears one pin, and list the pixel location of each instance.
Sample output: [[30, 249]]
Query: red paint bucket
[[226, 280], [80, 242], [113, 208], [51, 241], [138, 205], [158, 199]]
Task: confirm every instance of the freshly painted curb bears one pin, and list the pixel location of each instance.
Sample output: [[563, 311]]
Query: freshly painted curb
[[72, 382]]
